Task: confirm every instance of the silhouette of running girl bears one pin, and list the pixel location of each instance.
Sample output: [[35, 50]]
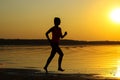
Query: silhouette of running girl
[[54, 42]]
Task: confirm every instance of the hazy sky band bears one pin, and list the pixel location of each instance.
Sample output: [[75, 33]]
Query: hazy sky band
[[82, 19]]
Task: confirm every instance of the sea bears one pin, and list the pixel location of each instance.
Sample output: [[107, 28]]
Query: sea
[[83, 59]]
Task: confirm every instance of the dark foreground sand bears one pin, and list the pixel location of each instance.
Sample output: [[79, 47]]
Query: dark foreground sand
[[32, 74]]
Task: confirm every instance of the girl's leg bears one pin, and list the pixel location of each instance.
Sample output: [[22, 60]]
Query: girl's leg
[[50, 59], [60, 59]]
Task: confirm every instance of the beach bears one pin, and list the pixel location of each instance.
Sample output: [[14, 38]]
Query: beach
[[82, 62], [31, 74]]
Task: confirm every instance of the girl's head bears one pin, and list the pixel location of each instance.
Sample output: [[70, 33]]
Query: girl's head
[[57, 21]]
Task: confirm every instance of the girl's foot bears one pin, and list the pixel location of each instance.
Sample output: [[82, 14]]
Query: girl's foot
[[60, 69], [46, 69]]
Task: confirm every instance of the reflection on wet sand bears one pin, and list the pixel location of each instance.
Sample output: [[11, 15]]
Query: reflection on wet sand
[[32, 74]]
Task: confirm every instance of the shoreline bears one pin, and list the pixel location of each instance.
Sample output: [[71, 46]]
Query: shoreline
[[33, 74]]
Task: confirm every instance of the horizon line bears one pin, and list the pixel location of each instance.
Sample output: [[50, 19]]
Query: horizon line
[[46, 39]]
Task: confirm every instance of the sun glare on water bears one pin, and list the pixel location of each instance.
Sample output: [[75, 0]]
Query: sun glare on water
[[115, 15], [117, 73]]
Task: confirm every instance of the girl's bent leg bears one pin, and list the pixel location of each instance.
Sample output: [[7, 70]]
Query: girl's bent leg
[[60, 59]]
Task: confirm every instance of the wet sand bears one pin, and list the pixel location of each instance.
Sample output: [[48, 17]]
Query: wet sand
[[32, 74]]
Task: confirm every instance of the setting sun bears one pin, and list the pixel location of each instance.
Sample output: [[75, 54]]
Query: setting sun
[[115, 15]]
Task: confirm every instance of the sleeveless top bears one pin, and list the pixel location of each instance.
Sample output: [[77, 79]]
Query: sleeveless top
[[56, 34]]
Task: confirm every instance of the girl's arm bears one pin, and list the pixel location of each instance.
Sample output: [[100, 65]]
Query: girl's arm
[[47, 34], [62, 36]]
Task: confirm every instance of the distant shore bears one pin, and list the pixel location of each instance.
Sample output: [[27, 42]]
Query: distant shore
[[62, 42]]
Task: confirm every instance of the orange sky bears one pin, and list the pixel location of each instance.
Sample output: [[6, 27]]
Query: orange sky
[[82, 19]]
